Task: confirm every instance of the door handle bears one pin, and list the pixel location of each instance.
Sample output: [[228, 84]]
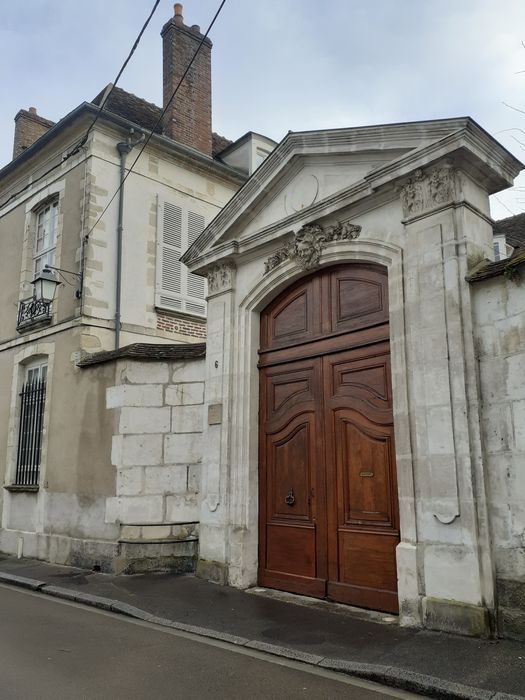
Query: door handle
[[290, 498]]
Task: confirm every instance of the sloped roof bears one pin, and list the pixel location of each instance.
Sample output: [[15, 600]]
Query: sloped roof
[[145, 114], [147, 351], [507, 267], [513, 228]]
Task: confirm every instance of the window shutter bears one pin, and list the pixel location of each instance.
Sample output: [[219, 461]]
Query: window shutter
[[177, 288], [169, 252], [195, 284]]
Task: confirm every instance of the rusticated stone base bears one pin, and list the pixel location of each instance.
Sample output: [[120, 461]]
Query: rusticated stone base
[[212, 571], [456, 617], [511, 608]]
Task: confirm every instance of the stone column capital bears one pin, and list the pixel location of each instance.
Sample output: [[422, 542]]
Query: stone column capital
[[428, 189], [221, 277]]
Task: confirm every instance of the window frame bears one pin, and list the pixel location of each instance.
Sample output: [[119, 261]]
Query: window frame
[[30, 424], [46, 255], [30, 356]]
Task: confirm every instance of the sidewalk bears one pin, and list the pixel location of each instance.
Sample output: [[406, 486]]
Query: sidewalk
[[434, 664]]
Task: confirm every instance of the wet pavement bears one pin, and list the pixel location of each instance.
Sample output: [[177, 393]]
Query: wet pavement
[[325, 632]]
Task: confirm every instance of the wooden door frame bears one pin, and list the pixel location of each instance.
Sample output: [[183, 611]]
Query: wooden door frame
[[244, 474]]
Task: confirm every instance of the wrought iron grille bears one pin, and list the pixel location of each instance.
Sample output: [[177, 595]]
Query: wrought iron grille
[[33, 397], [33, 311]]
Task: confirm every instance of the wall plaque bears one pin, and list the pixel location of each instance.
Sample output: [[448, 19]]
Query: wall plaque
[[215, 414]]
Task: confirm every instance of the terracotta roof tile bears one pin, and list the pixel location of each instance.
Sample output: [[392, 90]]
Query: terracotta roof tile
[[145, 114]]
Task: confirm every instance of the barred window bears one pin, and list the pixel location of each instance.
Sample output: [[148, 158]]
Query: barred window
[[32, 401]]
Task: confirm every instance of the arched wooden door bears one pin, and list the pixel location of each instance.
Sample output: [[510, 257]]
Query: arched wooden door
[[328, 509]]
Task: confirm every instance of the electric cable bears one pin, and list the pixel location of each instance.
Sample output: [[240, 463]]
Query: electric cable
[[105, 98], [147, 140]]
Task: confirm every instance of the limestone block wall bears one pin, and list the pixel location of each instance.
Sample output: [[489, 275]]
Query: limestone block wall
[[157, 447], [499, 315]]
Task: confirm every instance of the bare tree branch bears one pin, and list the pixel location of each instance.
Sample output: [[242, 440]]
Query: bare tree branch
[[516, 109]]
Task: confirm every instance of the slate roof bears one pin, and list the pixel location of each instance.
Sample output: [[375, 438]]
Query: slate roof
[[145, 114], [147, 352], [513, 227]]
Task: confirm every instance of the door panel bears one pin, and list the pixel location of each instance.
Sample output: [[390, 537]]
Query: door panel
[[328, 496], [358, 298], [360, 459], [364, 456], [294, 318], [291, 548]]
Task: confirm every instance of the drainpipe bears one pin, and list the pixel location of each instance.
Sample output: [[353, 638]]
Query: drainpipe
[[124, 147]]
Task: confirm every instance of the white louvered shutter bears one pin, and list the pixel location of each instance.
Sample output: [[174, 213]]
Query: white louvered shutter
[[195, 285], [177, 288], [170, 252]]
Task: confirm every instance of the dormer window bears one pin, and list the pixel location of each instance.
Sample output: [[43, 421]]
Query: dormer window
[[502, 249], [46, 235]]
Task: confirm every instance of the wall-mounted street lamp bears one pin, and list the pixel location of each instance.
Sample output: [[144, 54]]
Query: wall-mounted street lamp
[[37, 309], [45, 285], [62, 273]]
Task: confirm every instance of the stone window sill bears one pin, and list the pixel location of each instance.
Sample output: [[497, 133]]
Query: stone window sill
[[16, 488]]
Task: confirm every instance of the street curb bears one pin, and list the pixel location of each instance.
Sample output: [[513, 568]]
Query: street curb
[[31, 583], [431, 686]]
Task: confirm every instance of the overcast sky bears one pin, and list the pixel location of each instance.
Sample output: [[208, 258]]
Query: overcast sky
[[284, 64]]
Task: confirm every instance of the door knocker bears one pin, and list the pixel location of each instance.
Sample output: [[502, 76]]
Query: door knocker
[[290, 498]]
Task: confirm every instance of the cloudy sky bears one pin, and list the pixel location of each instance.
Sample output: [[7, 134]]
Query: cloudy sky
[[284, 64]]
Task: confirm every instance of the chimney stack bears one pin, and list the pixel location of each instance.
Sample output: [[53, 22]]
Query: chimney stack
[[29, 127], [188, 118]]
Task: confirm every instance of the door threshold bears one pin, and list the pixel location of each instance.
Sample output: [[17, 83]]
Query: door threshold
[[328, 605]]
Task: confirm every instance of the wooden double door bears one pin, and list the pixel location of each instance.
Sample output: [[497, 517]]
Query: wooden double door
[[328, 505]]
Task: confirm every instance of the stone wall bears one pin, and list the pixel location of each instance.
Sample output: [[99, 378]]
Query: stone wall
[[157, 452], [499, 314]]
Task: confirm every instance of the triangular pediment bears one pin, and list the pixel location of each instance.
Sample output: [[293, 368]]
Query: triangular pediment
[[309, 179], [309, 170]]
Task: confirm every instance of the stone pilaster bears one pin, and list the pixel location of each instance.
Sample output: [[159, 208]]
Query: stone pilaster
[[443, 229], [214, 510]]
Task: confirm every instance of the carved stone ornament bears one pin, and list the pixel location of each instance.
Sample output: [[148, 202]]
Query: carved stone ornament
[[221, 277], [427, 189], [307, 245]]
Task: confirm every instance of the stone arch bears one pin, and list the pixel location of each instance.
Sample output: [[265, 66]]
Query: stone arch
[[243, 555]]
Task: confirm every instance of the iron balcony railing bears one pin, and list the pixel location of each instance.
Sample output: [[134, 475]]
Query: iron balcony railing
[[32, 402], [32, 311]]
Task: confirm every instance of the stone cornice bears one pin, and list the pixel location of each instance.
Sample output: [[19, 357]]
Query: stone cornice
[[462, 137], [72, 127]]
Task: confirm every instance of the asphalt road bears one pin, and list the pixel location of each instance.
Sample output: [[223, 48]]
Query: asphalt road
[[51, 649]]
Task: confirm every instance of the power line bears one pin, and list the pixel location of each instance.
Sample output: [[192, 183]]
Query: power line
[[504, 205], [123, 68], [105, 98], [158, 120]]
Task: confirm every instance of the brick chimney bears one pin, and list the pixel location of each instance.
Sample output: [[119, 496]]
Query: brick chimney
[[188, 119], [29, 127]]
